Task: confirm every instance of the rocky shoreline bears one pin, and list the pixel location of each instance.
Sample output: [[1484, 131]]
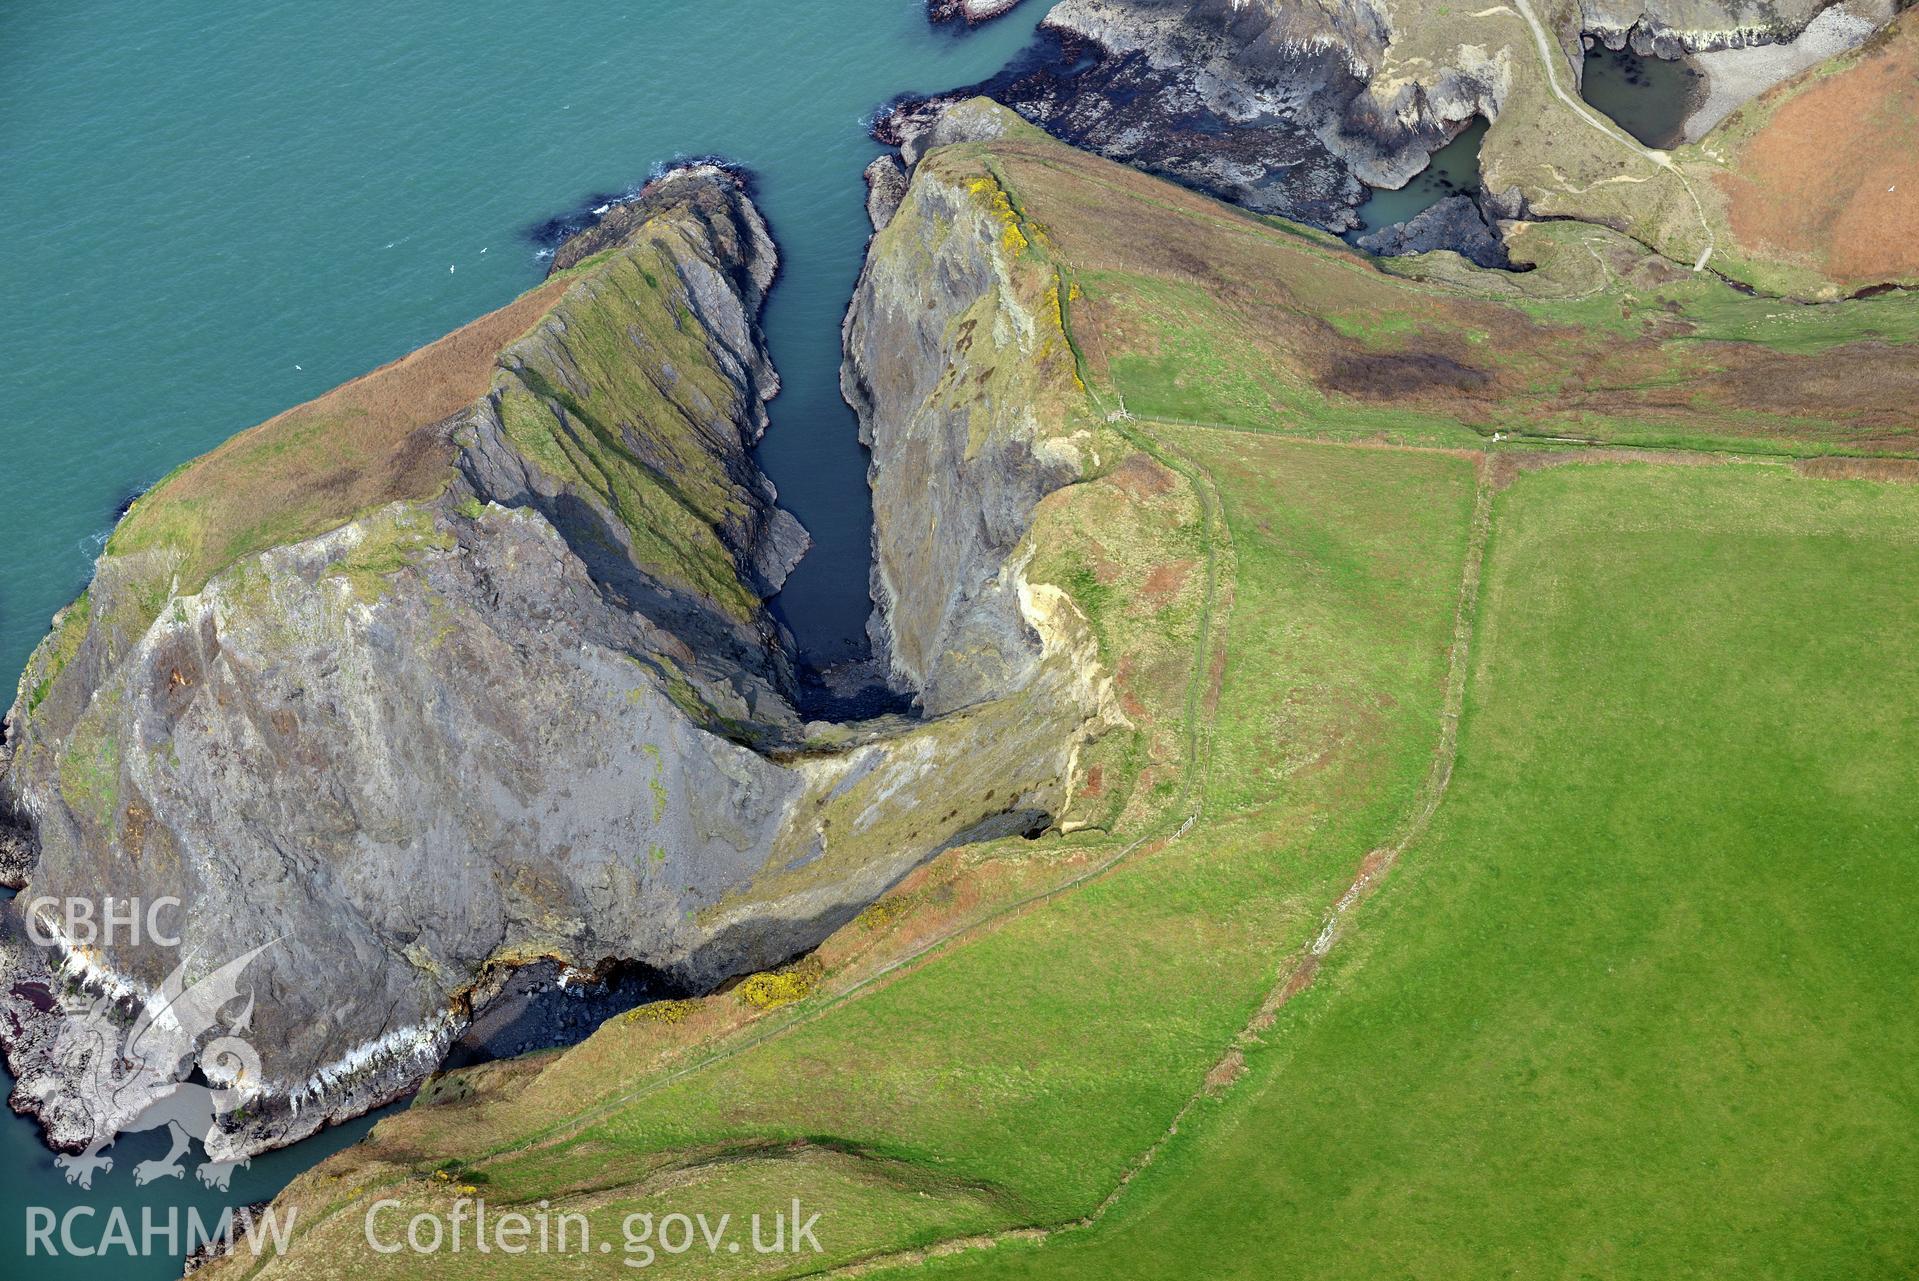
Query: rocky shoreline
[[36, 1020], [1270, 108], [1653, 34]]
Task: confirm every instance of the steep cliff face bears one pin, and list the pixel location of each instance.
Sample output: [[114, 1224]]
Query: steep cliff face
[[961, 374], [625, 417], [1670, 28], [527, 703]]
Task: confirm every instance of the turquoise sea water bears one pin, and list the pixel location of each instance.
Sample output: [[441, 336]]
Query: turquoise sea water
[[215, 211]]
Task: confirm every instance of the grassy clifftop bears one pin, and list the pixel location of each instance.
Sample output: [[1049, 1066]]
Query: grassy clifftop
[[1185, 308]]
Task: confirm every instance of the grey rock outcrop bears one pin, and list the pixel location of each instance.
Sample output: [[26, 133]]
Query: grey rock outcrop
[[1295, 109], [971, 12], [944, 364], [1675, 28], [1268, 105], [17, 851], [885, 188]]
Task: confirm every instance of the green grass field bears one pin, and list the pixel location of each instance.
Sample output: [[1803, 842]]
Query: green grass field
[[1187, 311], [1634, 1005], [1640, 1005]]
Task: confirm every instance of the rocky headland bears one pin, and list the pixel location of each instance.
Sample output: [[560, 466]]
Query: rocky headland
[[465, 672], [467, 668], [952, 626]]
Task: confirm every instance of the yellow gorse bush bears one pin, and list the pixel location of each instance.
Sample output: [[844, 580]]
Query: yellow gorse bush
[[661, 1011], [770, 989]]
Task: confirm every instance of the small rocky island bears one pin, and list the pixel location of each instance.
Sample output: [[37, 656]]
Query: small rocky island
[[971, 12]]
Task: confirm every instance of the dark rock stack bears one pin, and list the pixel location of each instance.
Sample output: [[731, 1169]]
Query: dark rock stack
[[1455, 223]]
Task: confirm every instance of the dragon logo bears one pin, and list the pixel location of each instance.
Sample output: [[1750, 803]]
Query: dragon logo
[[136, 1077]]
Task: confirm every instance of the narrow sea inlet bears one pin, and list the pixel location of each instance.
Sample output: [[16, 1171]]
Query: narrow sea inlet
[[233, 208]]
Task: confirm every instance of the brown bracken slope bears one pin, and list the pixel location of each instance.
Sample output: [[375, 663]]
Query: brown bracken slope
[[1832, 177]]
